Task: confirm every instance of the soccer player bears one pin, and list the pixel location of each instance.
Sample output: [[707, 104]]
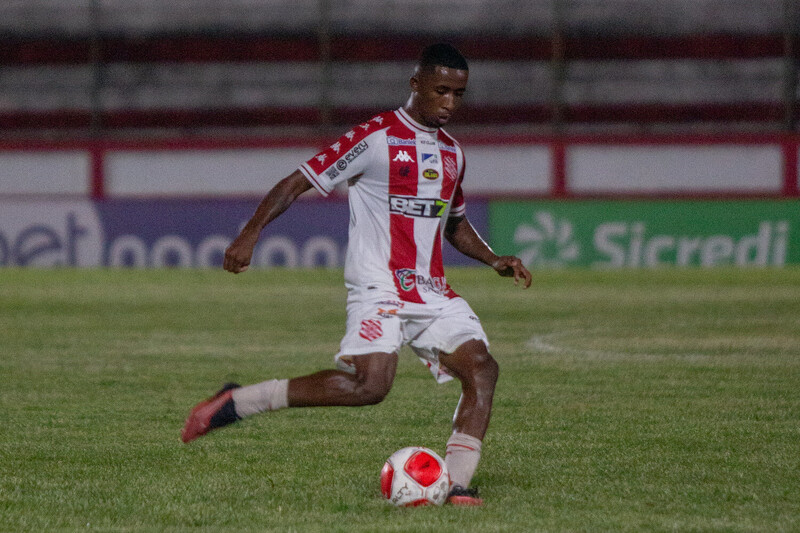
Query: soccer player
[[404, 174]]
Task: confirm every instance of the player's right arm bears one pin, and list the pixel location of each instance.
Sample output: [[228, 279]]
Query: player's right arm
[[344, 159], [277, 200]]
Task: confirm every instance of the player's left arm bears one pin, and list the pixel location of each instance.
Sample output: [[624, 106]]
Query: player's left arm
[[460, 233]]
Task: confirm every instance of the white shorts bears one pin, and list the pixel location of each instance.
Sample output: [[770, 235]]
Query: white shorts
[[385, 324]]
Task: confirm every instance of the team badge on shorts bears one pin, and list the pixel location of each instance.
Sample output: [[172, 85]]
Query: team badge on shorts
[[371, 329]]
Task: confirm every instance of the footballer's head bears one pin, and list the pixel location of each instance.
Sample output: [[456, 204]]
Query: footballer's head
[[441, 55], [438, 85]]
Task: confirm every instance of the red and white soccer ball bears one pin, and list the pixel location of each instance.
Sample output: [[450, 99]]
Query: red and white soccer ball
[[415, 476]]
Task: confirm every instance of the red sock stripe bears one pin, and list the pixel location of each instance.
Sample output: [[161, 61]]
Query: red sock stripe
[[460, 446]]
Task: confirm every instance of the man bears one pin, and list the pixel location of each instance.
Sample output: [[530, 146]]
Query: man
[[404, 174]]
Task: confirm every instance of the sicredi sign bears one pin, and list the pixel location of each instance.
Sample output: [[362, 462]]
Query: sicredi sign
[[647, 234]]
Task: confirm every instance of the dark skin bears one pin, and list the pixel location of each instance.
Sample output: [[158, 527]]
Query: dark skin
[[436, 94]]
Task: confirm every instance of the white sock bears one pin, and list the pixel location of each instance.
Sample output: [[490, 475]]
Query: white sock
[[266, 396], [463, 454]]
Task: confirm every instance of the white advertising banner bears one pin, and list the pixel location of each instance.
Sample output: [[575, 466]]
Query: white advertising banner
[[501, 169], [200, 172], [510, 169], [667, 169], [57, 172]]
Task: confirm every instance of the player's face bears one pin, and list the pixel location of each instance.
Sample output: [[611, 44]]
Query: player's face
[[436, 95]]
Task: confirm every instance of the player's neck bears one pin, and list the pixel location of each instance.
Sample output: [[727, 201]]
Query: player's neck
[[413, 113]]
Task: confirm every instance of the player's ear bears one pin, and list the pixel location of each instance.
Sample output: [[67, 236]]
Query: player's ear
[[414, 83]]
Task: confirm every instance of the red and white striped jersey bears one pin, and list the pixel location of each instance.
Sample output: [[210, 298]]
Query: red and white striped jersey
[[404, 181]]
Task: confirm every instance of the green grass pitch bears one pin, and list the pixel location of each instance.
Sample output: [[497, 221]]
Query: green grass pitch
[[628, 401]]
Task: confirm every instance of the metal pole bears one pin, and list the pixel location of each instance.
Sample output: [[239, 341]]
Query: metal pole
[[326, 78], [790, 33], [558, 70], [96, 63]]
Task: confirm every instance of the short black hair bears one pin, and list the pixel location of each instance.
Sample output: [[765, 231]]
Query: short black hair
[[444, 55]]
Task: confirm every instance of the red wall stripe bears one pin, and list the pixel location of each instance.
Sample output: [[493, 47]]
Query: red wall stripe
[[305, 47], [760, 112]]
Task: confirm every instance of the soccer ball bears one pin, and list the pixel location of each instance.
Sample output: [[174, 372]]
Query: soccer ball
[[415, 476]]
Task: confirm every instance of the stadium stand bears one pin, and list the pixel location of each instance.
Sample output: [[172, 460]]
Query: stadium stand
[[117, 66]]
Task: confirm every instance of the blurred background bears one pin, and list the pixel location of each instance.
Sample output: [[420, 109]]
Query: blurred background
[[115, 67], [598, 133]]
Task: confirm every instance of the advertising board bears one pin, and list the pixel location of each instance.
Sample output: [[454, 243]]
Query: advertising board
[[647, 233], [153, 232]]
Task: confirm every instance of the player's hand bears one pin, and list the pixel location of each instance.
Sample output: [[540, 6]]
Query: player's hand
[[239, 253], [508, 265]]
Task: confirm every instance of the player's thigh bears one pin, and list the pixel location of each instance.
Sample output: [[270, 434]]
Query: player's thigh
[[471, 362], [375, 370], [453, 326], [371, 328]]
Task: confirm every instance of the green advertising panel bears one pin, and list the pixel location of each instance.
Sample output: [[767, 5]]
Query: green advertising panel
[[646, 234]]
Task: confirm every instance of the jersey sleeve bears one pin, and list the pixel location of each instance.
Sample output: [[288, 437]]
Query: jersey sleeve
[[344, 159]]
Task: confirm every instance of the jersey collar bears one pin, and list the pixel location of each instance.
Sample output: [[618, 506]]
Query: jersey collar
[[410, 122]]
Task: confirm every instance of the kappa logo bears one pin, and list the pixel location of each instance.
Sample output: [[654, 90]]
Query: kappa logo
[[378, 119], [321, 158], [350, 134], [336, 147], [403, 157], [371, 329]]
